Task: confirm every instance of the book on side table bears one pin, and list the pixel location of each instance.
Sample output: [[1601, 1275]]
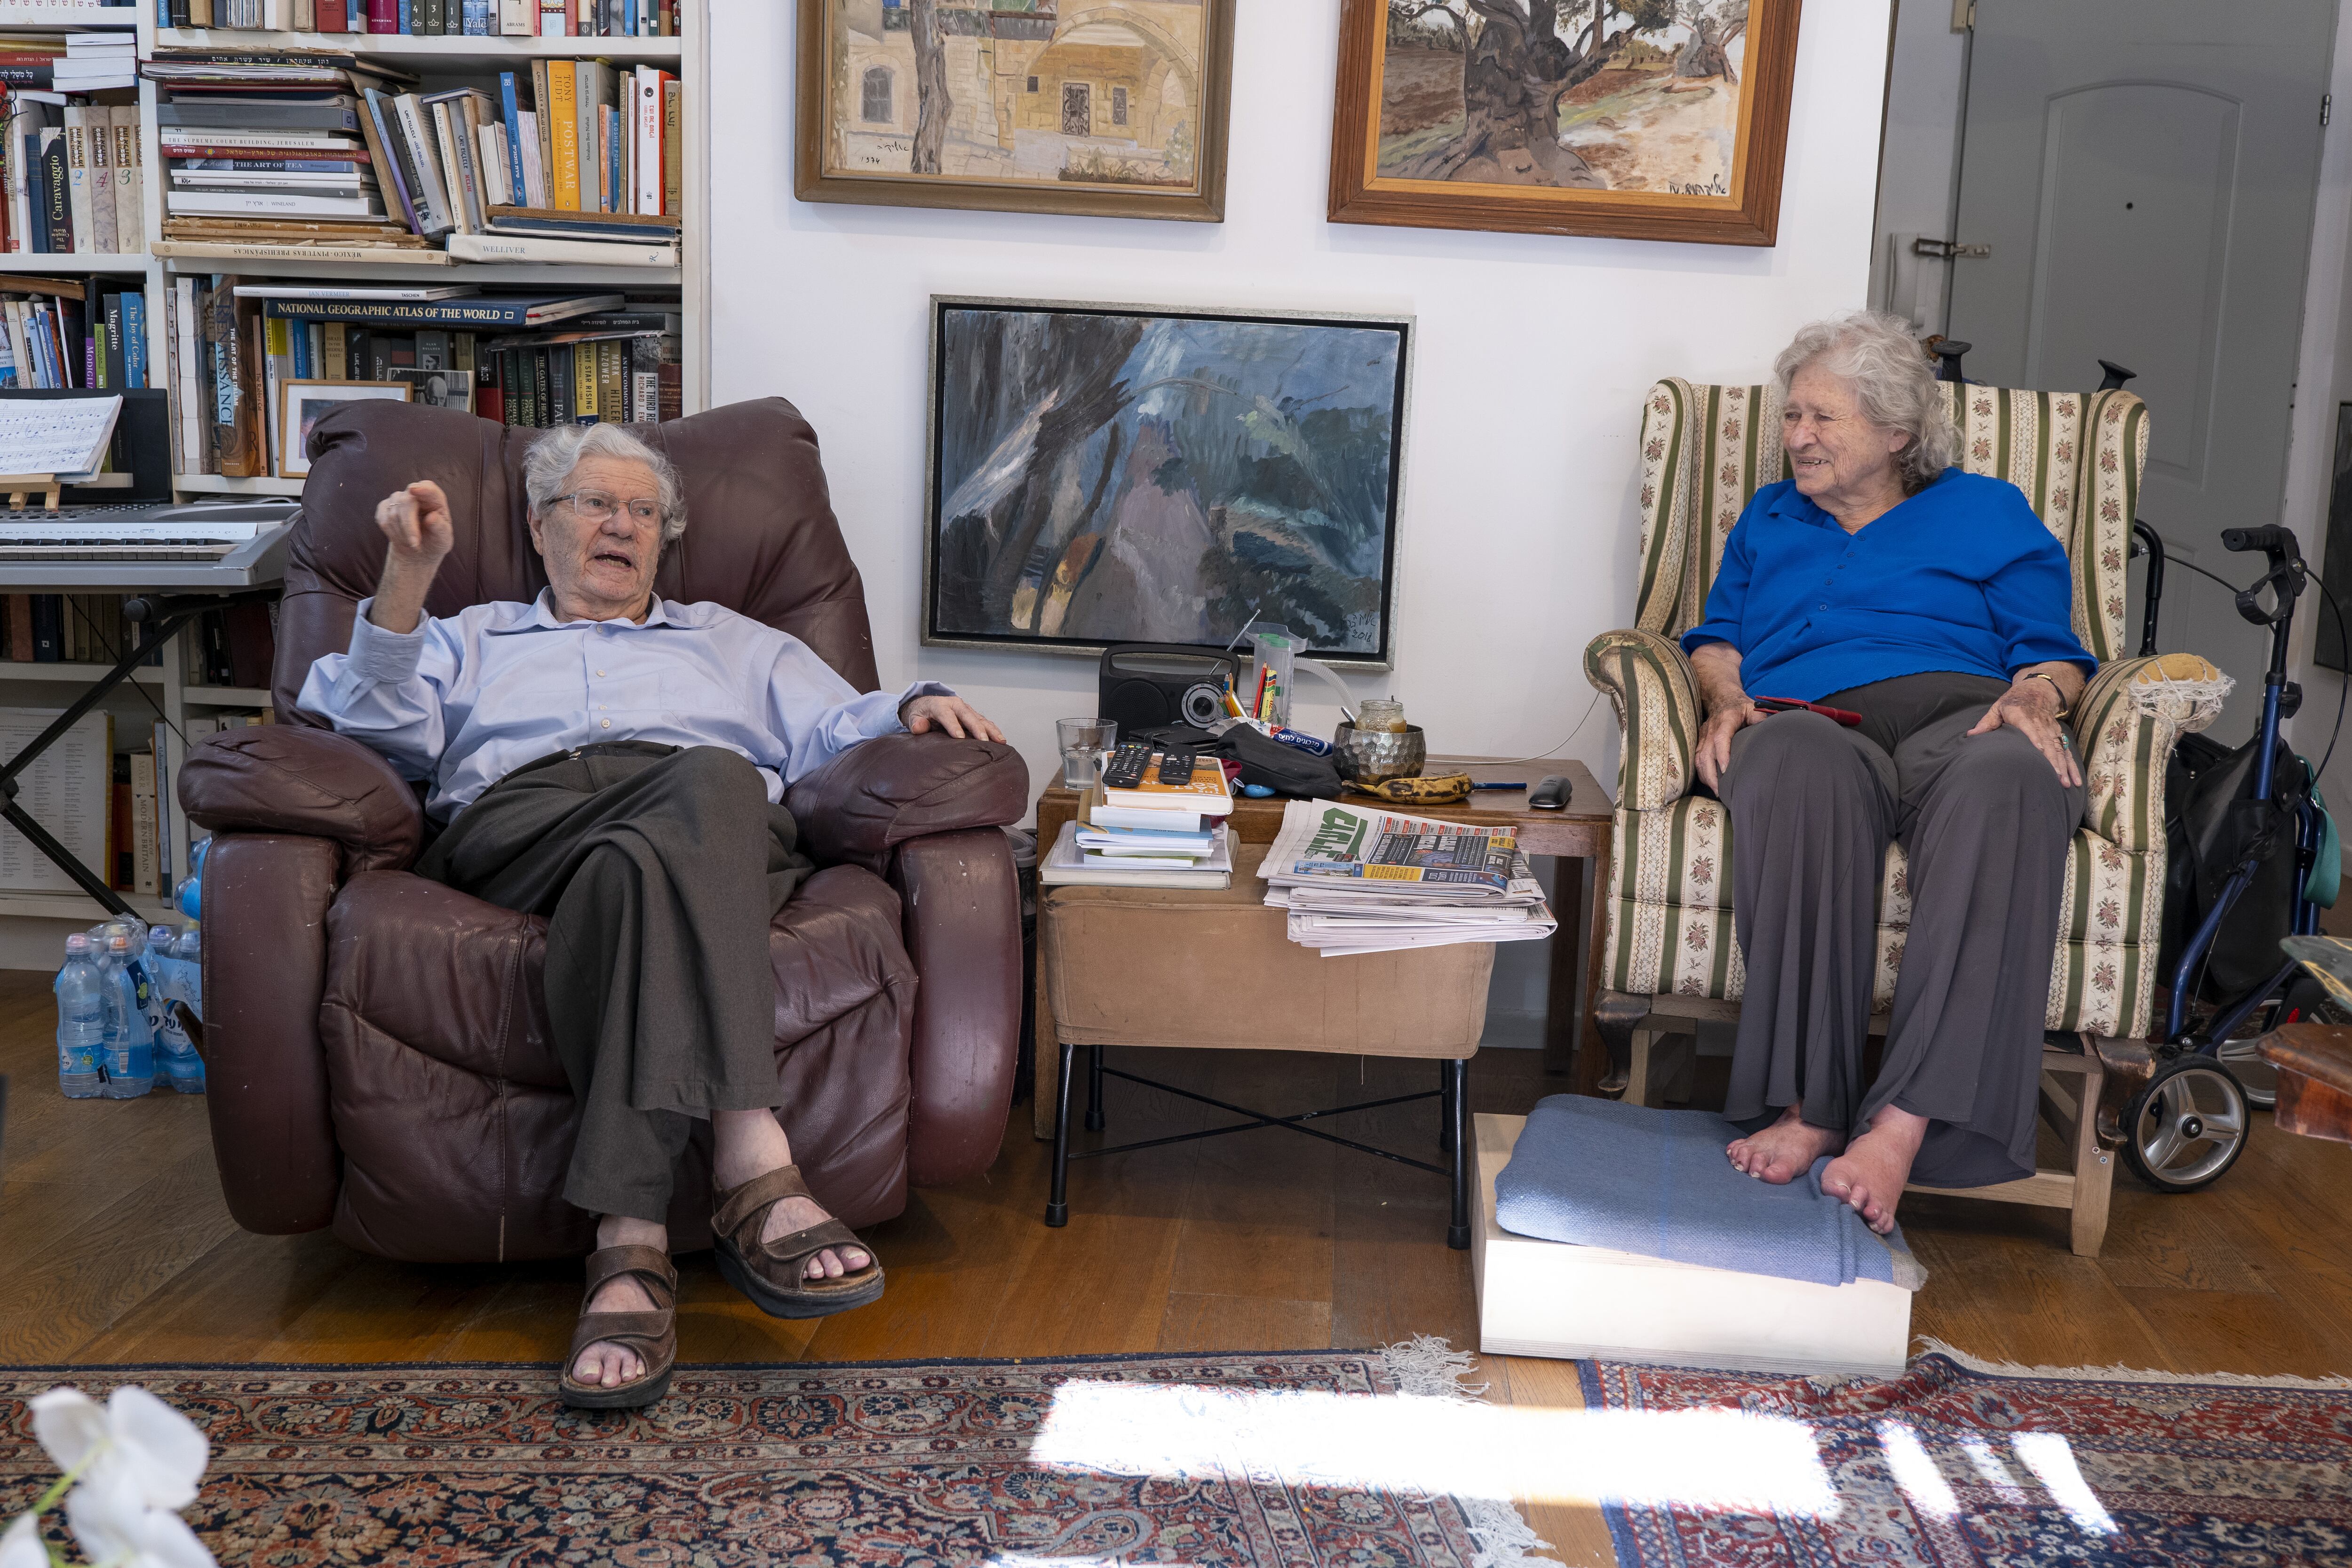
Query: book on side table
[[1070, 863]]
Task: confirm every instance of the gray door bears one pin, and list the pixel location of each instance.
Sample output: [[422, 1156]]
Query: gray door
[[2145, 171]]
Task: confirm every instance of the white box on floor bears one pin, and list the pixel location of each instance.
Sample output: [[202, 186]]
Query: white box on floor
[[1548, 1299]]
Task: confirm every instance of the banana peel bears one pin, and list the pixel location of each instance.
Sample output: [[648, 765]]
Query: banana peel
[[1441, 789]]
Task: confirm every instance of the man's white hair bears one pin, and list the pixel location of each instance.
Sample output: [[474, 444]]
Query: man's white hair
[[546, 471], [1893, 385]]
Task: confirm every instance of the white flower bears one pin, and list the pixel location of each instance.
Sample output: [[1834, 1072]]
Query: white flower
[[116, 1528], [136, 1437], [21, 1547]]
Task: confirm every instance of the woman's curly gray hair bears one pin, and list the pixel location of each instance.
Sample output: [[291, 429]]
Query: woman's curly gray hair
[[1893, 385], [546, 471]]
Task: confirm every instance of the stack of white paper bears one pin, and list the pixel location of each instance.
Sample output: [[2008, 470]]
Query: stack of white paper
[[1354, 881]]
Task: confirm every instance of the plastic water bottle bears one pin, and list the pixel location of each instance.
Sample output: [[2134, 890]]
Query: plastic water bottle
[[191, 952], [81, 1021], [130, 1037], [175, 1053]]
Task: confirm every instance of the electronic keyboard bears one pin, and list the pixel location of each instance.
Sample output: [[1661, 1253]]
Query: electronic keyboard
[[217, 547]]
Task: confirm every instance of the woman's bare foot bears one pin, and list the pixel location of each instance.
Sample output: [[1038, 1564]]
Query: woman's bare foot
[[1784, 1151], [1870, 1173], [603, 1364], [750, 1143]]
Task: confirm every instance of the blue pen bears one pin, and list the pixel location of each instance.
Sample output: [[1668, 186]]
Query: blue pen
[[1501, 783]]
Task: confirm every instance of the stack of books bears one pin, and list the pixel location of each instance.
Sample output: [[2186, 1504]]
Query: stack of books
[[53, 336], [70, 167], [284, 155], [1374, 881], [1152, 835], [272, 149], [94, 62], [456, 19]]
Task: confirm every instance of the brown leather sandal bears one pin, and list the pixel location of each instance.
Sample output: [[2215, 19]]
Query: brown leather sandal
[[773, 1274], [652, 1334]]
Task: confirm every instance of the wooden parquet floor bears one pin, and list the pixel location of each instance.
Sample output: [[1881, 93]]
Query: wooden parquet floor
[[120, 1250]]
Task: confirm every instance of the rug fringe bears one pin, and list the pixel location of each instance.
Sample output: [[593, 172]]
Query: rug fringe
[[1932, 1346], [1429, 1368]]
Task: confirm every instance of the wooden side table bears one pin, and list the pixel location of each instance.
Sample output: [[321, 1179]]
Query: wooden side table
[[1580, 834]]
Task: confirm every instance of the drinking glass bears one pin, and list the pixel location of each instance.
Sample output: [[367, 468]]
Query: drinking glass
[[1085, 743]]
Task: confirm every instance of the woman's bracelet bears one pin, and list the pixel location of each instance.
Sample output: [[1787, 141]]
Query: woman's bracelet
[[2056, 690]]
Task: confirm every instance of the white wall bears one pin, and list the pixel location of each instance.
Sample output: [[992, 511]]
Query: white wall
[[1518, 533]]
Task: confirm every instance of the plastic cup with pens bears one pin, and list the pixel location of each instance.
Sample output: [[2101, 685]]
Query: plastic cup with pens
[[1084, 742]]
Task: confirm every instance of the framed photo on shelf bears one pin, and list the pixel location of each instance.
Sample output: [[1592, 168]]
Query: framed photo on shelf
[[1111, 473], [1540, 117], [441, 388], [301, 404], [1113, 112]]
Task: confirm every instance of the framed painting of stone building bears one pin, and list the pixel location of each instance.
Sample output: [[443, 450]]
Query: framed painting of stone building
[[1115, 473], [1112, 107], [1635, 119]]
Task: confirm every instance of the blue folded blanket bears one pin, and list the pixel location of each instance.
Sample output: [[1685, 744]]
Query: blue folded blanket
[[1598, 1172]]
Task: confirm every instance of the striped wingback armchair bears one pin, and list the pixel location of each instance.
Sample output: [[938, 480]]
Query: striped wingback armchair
[[2077, 456]]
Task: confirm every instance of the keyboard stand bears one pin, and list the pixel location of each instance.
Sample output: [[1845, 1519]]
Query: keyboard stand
[[164, 617]]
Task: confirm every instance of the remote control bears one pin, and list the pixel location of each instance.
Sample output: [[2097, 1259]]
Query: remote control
[[1126, 766], [1176, 766], [1550, 793]]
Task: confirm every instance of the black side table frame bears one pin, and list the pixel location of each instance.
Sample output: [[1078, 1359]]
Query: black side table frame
[[1452, 1135], [163, 618]]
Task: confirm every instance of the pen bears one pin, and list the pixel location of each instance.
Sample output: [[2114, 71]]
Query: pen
[[1501, 783]]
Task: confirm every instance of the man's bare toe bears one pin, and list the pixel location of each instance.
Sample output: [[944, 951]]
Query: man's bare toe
[[604, 1364]]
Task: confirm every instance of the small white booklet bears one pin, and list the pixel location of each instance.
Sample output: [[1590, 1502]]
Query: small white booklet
[[62, 435]]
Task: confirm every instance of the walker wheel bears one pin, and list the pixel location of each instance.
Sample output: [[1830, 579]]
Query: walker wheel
[[2187, 1127]]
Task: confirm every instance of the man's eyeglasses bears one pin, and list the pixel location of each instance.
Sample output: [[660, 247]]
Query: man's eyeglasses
[[597, 506]]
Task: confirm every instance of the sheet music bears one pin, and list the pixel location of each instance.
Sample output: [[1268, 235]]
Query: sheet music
[[69, 790], [55, 434]]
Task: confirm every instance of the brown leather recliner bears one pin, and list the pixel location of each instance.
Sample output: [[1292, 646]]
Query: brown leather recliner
[[377, 1045]]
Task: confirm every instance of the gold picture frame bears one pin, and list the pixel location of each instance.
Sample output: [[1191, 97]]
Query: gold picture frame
[[301, 403], [1676, 131], [1116, 112]]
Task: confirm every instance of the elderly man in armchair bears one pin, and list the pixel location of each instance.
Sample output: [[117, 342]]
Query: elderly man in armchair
[[616, 764]]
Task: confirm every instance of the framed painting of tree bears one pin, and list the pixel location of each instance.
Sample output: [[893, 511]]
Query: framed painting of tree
[[1633, 119], [1110, 108]]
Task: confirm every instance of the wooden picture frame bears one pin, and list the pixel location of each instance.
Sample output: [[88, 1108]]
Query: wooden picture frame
[[1488, 176], [1260, 480], [295, 396], [1154, 103]]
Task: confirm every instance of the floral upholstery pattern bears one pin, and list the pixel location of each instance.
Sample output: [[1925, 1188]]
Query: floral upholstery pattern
[[2077, 458]]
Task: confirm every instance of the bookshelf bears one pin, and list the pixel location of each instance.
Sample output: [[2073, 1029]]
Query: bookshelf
[[32, 925]]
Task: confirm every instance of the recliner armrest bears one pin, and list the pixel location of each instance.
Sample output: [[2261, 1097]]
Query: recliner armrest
[[279, 778], [879, 793]]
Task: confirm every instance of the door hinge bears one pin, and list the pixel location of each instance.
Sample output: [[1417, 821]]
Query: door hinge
[[2326, 103], [1964, 14], [1946, 250]]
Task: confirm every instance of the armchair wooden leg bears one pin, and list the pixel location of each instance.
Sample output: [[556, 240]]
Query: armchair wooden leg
[[1616, 1015], [2094, 1167], [1457, 1233], [1057, 1205], [1659, 1067]]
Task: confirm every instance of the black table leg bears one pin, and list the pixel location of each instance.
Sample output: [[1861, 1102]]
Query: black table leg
[[1457, 1235], [1446, 1106], [1094, 1089], [1057, 1205]]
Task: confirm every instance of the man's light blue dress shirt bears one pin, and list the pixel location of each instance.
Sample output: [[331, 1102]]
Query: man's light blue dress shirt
[[463, 701]]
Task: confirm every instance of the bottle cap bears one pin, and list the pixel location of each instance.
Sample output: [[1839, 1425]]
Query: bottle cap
[[77, 943], [118, 941]]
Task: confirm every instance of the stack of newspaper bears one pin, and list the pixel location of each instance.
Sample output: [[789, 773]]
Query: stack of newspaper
[[1355, 880]]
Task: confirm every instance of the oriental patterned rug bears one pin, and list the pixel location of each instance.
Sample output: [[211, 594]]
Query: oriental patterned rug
[[1958, 1463], [1199, 1459]]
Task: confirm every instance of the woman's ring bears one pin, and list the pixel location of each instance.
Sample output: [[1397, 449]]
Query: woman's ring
[[2067, 740]]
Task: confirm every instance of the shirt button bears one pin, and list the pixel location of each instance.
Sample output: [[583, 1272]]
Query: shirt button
[[606, 722], [600, 674]]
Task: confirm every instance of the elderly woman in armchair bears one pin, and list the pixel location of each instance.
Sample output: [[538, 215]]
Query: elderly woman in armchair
[[1935, 606]]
